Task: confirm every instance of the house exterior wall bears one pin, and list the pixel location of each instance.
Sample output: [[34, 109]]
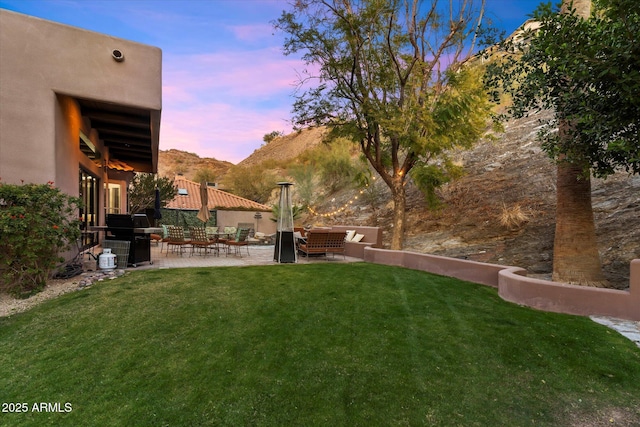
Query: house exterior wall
[[230, 218], [44, 67]]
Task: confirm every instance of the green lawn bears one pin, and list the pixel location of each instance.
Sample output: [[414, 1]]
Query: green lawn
[[317, 344]]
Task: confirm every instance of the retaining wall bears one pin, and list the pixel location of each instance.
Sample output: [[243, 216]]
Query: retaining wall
[[514, 286]]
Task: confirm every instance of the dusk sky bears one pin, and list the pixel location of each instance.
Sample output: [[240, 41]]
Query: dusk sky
[[225, 81]]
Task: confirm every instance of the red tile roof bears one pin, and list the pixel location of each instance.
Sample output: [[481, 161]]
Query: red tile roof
[[218, 199]]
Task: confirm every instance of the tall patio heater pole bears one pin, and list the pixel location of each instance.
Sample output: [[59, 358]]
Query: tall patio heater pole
[[285, 249]]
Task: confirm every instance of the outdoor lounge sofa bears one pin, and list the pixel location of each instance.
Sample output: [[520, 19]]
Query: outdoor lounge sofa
[[322, 242], [371, 236]]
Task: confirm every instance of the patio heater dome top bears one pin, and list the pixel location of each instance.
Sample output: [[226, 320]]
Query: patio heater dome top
[[285, 183]]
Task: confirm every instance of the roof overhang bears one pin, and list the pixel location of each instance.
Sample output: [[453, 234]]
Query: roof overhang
[[132, 134]]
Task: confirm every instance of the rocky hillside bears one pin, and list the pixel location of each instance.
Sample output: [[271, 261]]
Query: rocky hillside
[[285, 147], [172, 162], [503, 210]]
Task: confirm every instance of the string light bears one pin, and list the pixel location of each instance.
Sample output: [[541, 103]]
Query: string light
[[342, 208]]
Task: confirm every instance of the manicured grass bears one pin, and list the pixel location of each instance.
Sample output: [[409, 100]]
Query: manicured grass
[[317, 344]]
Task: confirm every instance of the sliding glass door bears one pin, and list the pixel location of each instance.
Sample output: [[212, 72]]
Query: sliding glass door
[[89, 208]]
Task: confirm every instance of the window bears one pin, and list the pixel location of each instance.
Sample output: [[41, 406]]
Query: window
[[113, 203]]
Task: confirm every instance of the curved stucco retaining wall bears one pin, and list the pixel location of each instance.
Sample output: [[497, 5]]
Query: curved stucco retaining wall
[[514, 286], [372, 238]]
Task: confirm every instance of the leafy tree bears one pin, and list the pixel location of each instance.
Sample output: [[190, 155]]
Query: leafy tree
[[142, 191], [253, 183], [390, 78], [588, 72], [204, 174]]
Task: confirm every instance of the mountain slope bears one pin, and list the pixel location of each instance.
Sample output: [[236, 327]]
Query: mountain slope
[[173, 162], [286, 147]]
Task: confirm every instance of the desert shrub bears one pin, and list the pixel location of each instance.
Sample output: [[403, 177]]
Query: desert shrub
[[305, 182], [337, 171], [37, 223], [271, 136], [513, 217], [334, 163], [372, 191]]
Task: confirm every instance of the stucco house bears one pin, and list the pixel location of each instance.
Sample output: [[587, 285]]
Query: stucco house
[[228, 210], [78, 108]]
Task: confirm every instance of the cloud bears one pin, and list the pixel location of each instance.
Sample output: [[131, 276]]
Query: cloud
[[252, 73], [252, 33], [218, 130], [221, 104]]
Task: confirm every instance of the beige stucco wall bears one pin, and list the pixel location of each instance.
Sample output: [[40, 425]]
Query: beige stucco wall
[[232, 218], [43, 67]]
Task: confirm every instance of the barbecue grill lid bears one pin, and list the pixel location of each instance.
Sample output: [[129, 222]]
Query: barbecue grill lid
[[119, 221], [140, 221]]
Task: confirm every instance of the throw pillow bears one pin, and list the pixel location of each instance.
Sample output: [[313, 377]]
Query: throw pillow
[[357, 237], [349, 236]]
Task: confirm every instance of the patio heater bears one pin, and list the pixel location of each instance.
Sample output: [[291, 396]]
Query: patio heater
[[285, 249]]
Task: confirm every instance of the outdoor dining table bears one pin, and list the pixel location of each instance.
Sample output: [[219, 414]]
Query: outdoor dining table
[[221, 237], [218, 235]]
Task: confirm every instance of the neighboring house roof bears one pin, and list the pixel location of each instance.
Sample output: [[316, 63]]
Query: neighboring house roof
[[218, 199], [119, 166]]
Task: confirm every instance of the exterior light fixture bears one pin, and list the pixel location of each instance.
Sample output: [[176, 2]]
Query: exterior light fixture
[[117, 55]]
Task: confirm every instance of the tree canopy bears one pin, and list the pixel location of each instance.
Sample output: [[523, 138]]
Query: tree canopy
[[588, 72], [142, 191], [389, 75]]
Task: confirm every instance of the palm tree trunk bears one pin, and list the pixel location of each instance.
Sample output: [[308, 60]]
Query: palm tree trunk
[[575, 250]]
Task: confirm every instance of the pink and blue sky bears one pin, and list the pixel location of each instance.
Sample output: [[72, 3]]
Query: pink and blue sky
[[226, 82]]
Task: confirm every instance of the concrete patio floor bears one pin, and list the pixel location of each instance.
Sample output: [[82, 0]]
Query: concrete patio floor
[[258, 255]]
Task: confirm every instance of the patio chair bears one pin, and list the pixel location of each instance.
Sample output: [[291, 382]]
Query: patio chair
[[161, 239], [238, 241], [177, 242], [200, 241]]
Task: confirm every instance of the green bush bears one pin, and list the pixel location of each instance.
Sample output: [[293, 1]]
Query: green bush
[[37, 223]]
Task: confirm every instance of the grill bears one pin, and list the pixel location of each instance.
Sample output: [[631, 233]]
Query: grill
[[134, 229]]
